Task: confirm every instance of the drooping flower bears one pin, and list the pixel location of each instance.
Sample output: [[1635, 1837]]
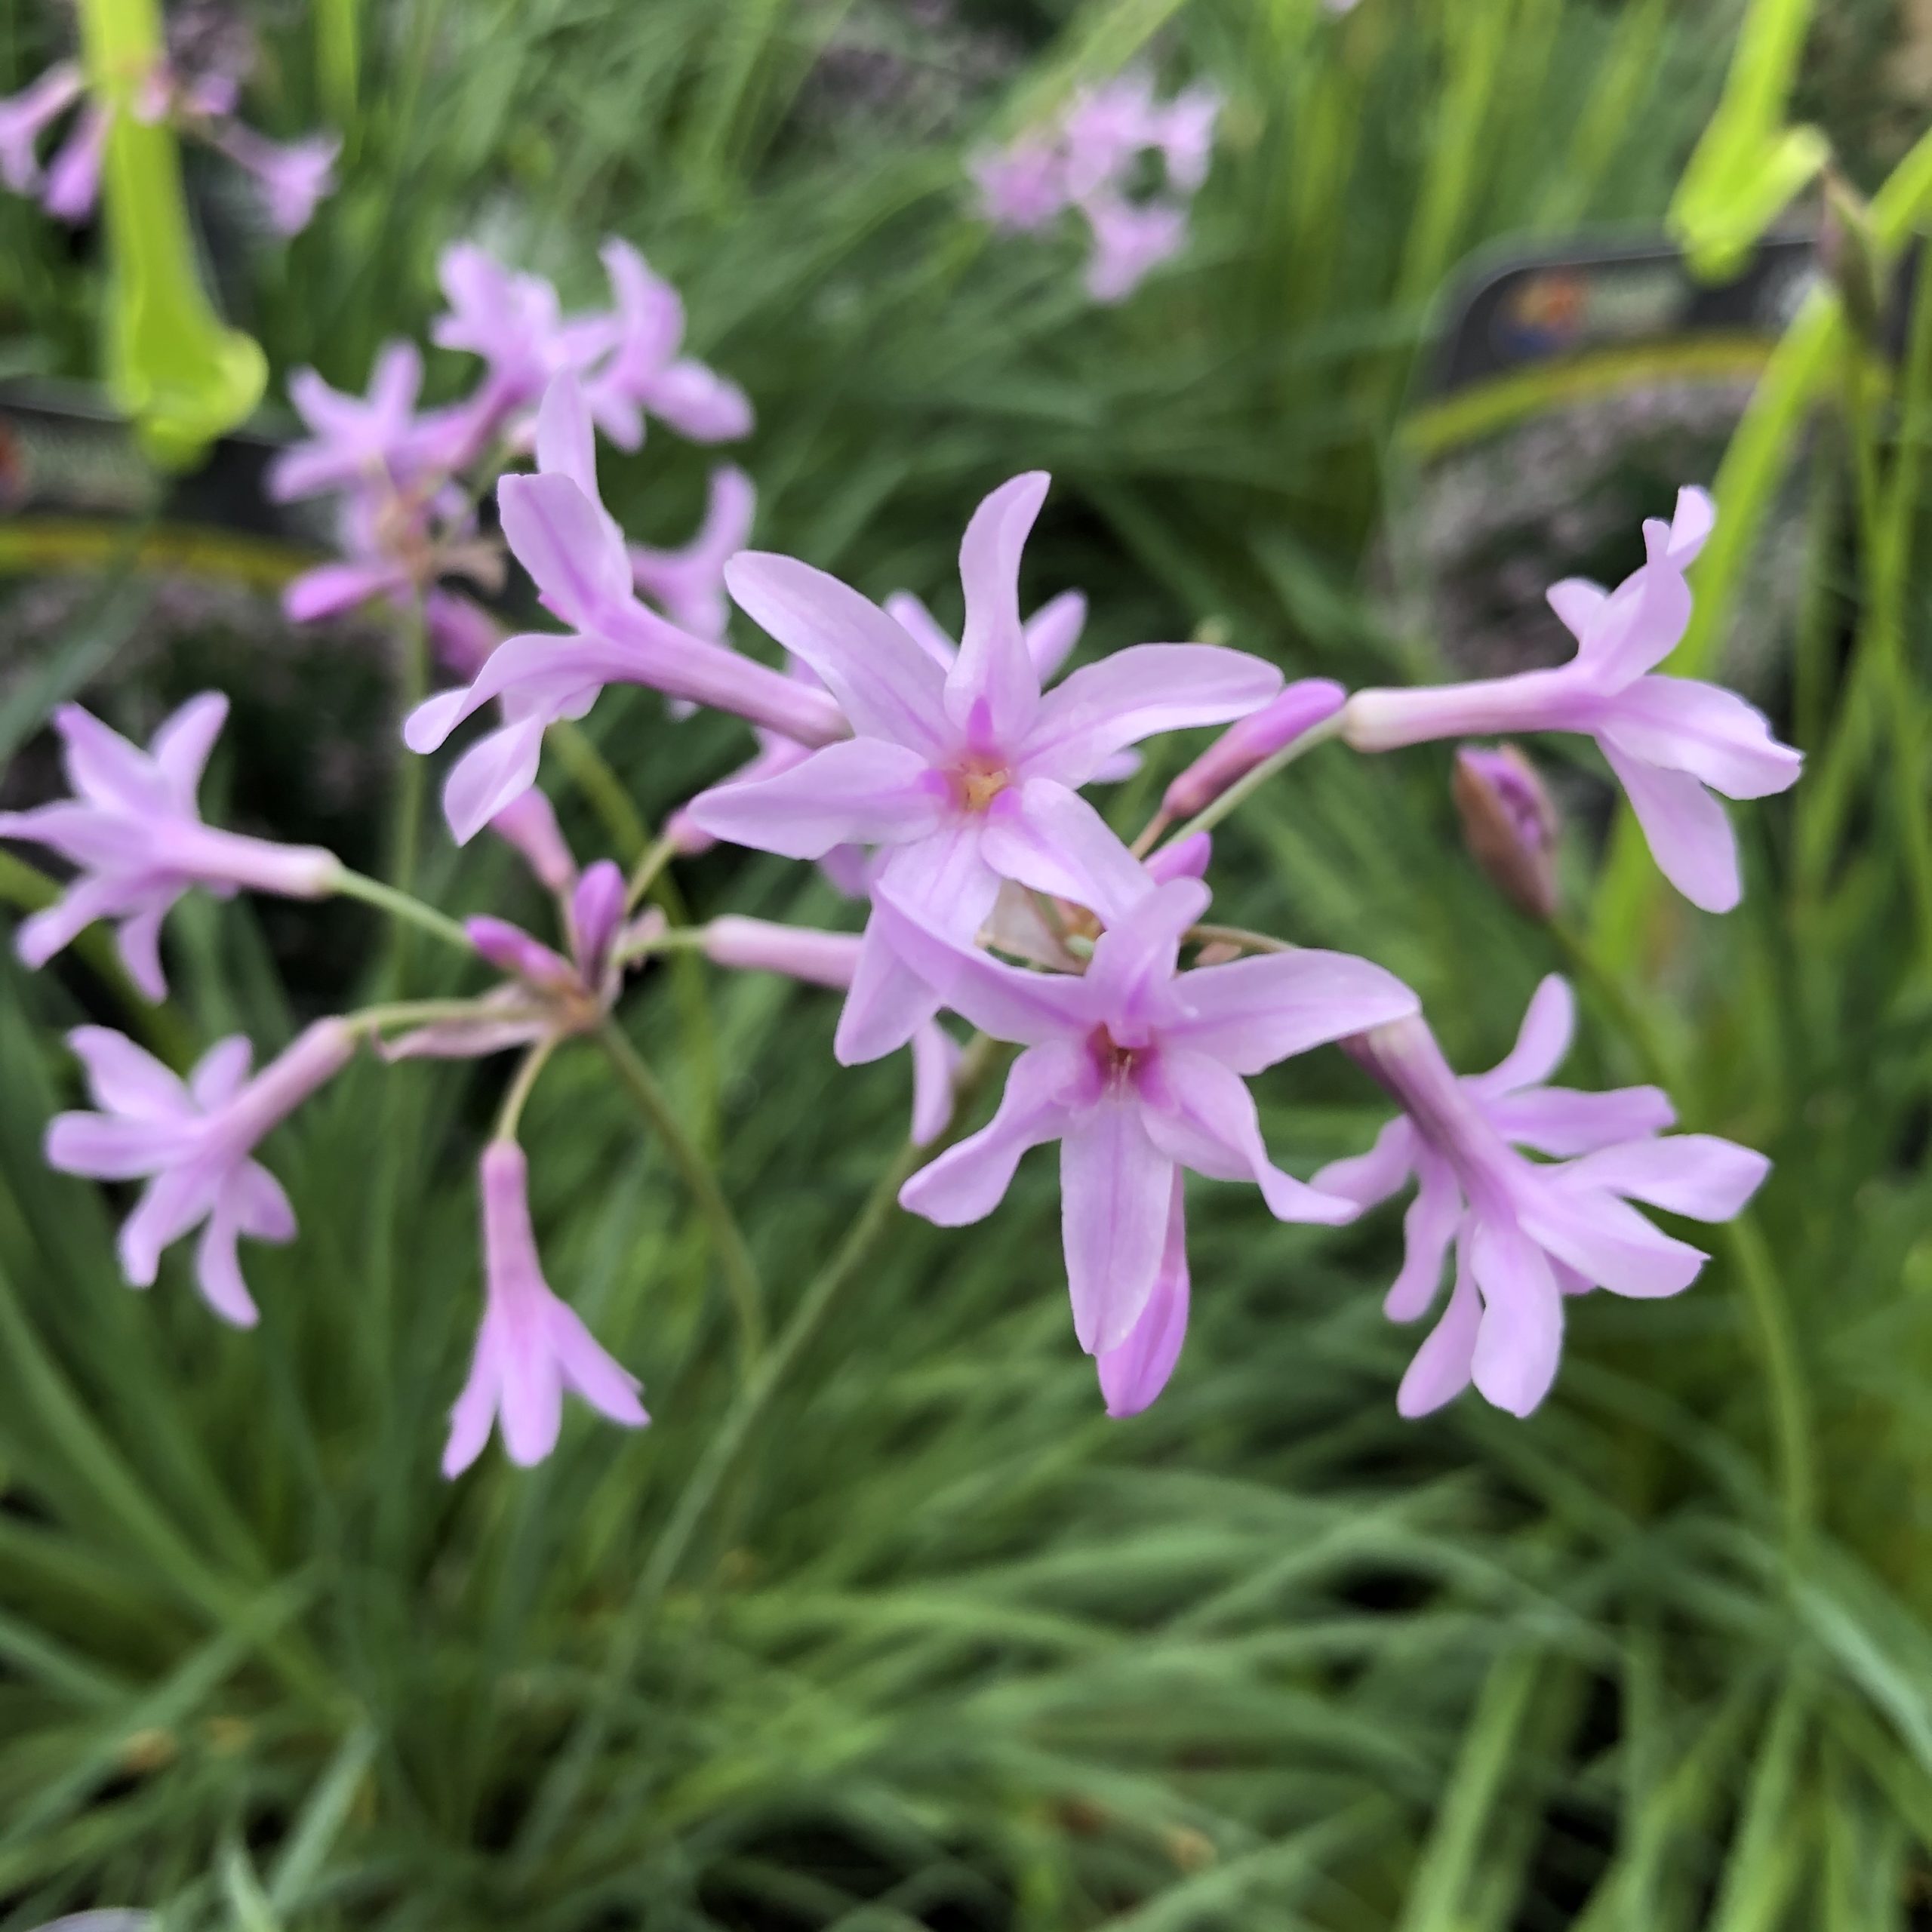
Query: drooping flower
[[967, 775], [1665, 739], [135, 831], [1510, 824], [194, 1144], [1306, 704], [1138, 1071], [530, 1345], [831, 959], [687, 584], [1526, 1233], [559, 530]]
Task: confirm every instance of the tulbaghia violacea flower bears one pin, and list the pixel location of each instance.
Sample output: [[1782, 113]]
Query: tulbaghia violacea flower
[[294, 177], [967, 775], [1024, 187], [1510, 823], [831, 959], [1139, 1071], [1525, 1232], [355, 440], [546, 995], [1665, 738], [26, 116], [133, 829], [193, 1142], [1251, 741], [559, 530], [687, 584], [530, 1347]]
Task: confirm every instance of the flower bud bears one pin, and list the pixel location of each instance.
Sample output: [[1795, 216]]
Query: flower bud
[[1251, 741], [1510, 823]]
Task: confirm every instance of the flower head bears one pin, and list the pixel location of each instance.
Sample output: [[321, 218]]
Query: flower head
[[1139, 1071], [967, 773], [135, 831], [1526, 1233], [355, 440], [530, 1346], [193, 1142], [1665, 739], [559, 530]]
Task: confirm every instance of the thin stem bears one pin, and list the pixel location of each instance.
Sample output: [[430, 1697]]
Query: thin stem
[[528, 1068], [1212, 813], [734, 1257], [399, 905], [421, 1012], [591, 773], [672, 939], [408, 831], [559, 1797], [660, 854]]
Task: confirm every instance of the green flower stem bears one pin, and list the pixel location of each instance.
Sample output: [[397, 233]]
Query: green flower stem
[[591, 773], [734, 1258], [558, 1797], [1240, 936], [660, 854], [407, 832], [520, 1087], [352, 884], [1211, 814]]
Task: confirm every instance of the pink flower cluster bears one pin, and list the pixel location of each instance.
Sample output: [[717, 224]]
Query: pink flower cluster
[[1089, 159], [291, 177], [943, 785]]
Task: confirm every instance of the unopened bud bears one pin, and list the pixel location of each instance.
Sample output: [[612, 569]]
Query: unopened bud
[[1251, 741], [1510, 824]]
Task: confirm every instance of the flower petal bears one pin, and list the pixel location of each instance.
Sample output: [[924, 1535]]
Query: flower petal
[[882, 682], [1134, 1371], [589, 1368], [1549, 1021], [1052, 632], [1051, 840], [568, 543], [994, 667], [170, 1205], [1579, 603], [180, 747], [1103, 708], [1520, 1339], [1366, 1179], [126, 1079], [1683, 725], [218, 1269], [864, 791], [918, 623], [1559, 1120], [1116, 1186], [935, 1058], [113, 1147], [1605, 1239], [1697, 1174], [1428, 1227], [1686, 830], [219, 1075], [494, 772], [966, 1183], [1440, 1371], [1252, 1013]]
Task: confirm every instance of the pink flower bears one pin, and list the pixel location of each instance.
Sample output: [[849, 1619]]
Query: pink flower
[[515, 324], [1510, 824], [1131, 238], [293, 177], [831, 959], [968, 775], [135, 831], [1251, 741], [1105, 129], [1665, 739], [1526, 1233], [1138, 1072], [530, 1346], [355, 440], [560, 533], [1183, 131], [26, 116], [687, 585], [1023, 187], [193, 1143], [73, 176], [643, 372]]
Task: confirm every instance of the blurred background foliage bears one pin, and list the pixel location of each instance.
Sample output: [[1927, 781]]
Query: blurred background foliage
[[901, 1632]]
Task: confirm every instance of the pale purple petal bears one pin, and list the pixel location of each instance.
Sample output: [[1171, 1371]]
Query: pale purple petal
[[1135, 1370], [1101, 709], [597, 910], [1116, 1186], [588, 1368], [104, 768], [217, 1076], [1520, 1337], [73, 176], [966, 1183], [137, 940], [1440, 1371], [1428, 1227], [123, 1078], [1561, 1122], [1182, 858], [218, 1269], [1051, 840], [566, 442], [1366, 1179], [918, 623], [886, 1005], [25, 116], [53, 926], [1645, 617], [476, 1408], [1549, 1023], [1686, 830], [511, 950], [1129, 239], [1683, 725], [1251, 1013], [994, 671], [568, 545], [1053, 630], [1697, 1174], [107, 1147], [1691, 522], [1580, 603], [180, 746], [530, 824], [1251, 741], [1132, 975], [935, 1060], [1606, 1238], [494, 772], [262, 1209], [329, 590], [171, 1204], [864, 791], [884, 682]]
